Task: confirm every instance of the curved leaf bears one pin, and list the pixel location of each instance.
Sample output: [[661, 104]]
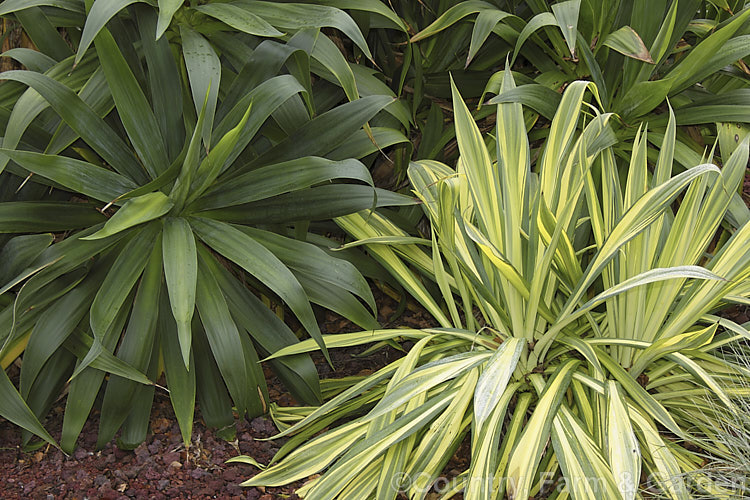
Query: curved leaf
[[78, 176], [84, 121], [261, 263], [135, 211], [99, 15], [240, 19]]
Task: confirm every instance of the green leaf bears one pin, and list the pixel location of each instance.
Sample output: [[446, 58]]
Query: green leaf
[[692, 65], [642, 98], [317, 203], [296, 16], [276, 179], [369, 6], [13, 408], [54, 326], [216, 160], [265, 266], [164, 81], [42, 33], [566, 14], [46, 216], [326, 132], [181, 272], [136, 349], [35, 61], [213, 398], [224, 338], [99, 15], [78, 176], [20, 252], [204, 73], [167, 9], [80, 344], [87, 381], [485, 23], [269, 333], [132, 106], [538, 21], [241, 19], [181, 188], [452, 16], [121, 278], [84, 121], [627, 42], [11, 6], [135, 211], [538, 97], [317, 265], [180, 380]]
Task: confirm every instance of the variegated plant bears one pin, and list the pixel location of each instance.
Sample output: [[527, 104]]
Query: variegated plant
[[576, 324]]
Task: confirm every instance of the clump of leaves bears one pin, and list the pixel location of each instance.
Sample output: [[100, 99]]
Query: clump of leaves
[[186, 177], [576, 327]]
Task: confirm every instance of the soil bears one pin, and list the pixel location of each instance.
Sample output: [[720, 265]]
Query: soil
[[162, 467]]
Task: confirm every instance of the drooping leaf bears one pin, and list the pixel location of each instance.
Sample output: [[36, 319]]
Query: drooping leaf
[[78, 176], [627, 42]]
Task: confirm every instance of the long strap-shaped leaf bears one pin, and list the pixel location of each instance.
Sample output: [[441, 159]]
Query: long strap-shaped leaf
[[326, 132], [99, 14], [45, 216], [181, 381], [84, 121], [297, 15], [223, 337], [181, 273], [75, 175], [270, 333], [528, 451], [204, 73], [135, 211], [132, 106], [136, 349], [265, 266], [14, 408], [280, 178]]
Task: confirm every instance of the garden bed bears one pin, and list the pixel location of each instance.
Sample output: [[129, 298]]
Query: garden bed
[[161, 467]]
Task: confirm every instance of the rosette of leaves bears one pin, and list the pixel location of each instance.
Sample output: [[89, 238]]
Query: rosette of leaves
[[576, 324], [169, 221]]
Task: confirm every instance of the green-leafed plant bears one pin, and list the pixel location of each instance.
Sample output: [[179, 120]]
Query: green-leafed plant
[[638, 54], [184, 174], [576, 337]]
